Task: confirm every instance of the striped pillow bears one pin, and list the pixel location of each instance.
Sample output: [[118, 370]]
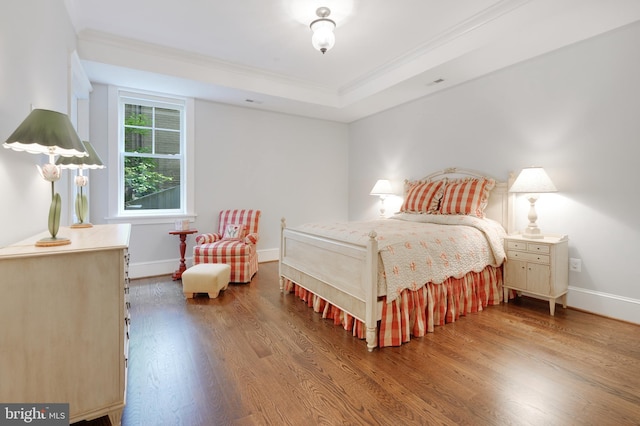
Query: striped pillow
[[422, 197], [466, 196]]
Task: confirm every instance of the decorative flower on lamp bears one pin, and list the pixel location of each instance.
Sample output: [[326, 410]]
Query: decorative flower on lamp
[[81, 180], [82, 205], [51, 173]]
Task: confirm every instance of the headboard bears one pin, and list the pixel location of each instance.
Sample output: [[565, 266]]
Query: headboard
[[500, 206]]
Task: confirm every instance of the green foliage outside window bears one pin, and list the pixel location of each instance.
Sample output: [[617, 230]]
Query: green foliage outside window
[[140, 175]]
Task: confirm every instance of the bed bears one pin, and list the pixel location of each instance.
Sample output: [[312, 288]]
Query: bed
[[389, 279]]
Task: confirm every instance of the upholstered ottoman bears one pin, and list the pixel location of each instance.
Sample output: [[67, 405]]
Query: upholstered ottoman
[[205, 278]]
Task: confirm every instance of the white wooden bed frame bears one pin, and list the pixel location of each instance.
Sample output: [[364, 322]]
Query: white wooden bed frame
[[345, 274]]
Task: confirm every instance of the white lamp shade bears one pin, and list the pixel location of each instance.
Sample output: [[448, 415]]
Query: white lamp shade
[[533, 180], [323, 38], [382, 187]]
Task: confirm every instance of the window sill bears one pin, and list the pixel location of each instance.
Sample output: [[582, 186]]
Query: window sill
[[151, 219]]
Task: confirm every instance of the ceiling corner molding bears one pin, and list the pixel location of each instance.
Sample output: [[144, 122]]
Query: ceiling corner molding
[[473, 23], [80, 83], [107, 48]]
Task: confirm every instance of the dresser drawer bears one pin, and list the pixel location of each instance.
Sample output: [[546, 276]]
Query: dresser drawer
[[529, 257]]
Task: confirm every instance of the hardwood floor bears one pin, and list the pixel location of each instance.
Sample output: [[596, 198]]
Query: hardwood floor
[[254, 356]]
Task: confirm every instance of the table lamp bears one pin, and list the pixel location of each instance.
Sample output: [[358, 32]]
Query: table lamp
[[50, 133], [382, 188], [92, 161], [533, 181]]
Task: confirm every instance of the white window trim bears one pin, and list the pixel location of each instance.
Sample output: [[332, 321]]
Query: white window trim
[[78, 110], [116, 215]]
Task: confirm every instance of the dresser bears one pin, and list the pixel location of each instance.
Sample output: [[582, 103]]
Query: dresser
[[538, 267], [65, 322]]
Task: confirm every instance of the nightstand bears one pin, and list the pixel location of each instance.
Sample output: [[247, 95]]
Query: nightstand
[[537, 267]]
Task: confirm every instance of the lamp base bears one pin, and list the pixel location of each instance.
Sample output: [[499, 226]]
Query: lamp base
[[532, 233], [52, 242], [82, 225], [533, 236]]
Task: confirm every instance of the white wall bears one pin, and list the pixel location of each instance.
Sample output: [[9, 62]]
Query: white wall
[[573, 111], [34, 70], [284, 165]]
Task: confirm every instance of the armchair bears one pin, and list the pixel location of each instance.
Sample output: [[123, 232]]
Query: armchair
[[233, 244]]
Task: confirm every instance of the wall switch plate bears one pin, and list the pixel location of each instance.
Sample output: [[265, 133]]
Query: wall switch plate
[[575, 265]]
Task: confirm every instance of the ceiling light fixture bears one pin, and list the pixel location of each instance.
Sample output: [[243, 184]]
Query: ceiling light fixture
[[323, 38]]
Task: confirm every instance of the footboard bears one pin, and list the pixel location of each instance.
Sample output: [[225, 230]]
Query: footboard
[[342, 273]]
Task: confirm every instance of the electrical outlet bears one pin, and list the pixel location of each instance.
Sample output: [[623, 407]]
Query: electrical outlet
[[575, 265]]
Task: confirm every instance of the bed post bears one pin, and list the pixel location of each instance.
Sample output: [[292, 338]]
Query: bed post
[[371, 292], [283, 225], [511, 218]]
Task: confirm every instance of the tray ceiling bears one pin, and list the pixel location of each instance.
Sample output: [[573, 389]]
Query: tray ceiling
[[258, 54]]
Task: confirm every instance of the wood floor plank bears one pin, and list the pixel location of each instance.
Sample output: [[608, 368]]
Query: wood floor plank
[[254, 356]]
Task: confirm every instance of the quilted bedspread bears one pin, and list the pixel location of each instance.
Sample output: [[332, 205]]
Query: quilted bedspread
[[419, 248]]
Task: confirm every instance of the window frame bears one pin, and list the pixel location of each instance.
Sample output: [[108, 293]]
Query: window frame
[[118, 97], [79, 113]]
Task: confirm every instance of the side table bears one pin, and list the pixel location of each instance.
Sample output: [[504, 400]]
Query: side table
[[538, 267], [183, 246]]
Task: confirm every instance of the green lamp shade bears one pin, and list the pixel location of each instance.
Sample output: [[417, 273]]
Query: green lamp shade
[[92, 161], [46, 132]]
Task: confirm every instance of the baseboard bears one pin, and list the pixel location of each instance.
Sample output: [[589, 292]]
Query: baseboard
[[605, 304], [152, 269], [268, 255], [167, 267]]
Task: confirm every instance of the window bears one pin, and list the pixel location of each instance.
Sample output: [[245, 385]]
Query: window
[[153, 165]]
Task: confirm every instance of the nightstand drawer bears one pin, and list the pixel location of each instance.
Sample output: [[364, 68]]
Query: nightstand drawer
[[529, 257], [516, 245], [531, 247], [538, 248]]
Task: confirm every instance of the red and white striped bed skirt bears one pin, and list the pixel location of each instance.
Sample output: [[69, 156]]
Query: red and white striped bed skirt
[[416, 312]]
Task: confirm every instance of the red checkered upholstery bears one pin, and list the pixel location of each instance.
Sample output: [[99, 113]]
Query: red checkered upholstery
[[241, 254]]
